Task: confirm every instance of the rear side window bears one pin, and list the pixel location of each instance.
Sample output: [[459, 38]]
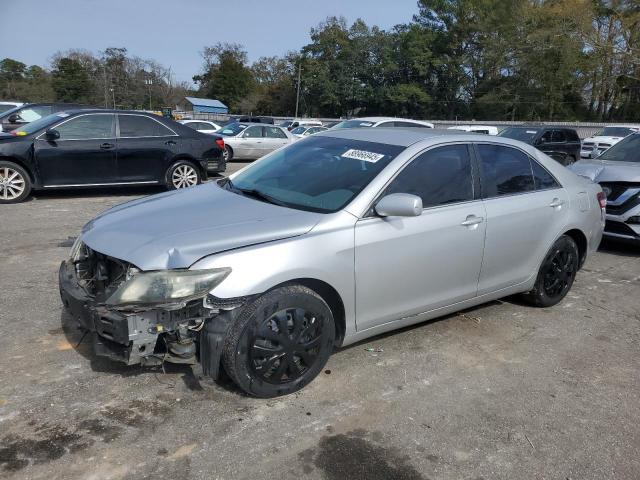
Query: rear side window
[[86, 127], [543, 179], [139, 126], [439, 176], [274, 132], [410, 125], [505, 171], [572, 135]]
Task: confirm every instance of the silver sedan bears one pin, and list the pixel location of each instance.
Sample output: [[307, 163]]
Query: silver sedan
[[248, 141], [338, 237]]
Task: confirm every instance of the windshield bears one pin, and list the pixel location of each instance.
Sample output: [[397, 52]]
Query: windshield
[[614, 132], [320, 174], [522, 134], [39, 124], [286, 123], [353, 124], [298, 130], [628, 150], [231, 129]]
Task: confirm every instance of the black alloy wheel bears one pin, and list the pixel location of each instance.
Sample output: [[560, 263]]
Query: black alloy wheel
[[557, 273], [279, 342], [286, 345]]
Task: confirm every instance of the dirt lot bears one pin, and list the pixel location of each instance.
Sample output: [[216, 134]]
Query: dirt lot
[[502, 391]]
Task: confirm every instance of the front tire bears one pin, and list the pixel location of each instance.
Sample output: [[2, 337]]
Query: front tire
[[556, 275], [227, 155], [182, 174], [15, 184], [280, 342]]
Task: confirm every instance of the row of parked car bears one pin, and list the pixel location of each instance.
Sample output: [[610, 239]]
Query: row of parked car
[[65, 146]]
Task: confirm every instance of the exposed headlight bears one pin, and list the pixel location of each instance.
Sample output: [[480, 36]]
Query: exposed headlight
[[167, 286]]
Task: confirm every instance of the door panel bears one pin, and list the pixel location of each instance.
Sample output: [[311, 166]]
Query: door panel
[[406, 266], [145, 148], [409, 265], [521, 218], [250, 144], [84, 154], [520, 229]]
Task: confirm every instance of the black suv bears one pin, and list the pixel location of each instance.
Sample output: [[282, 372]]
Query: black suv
[[98, 148], [560, 143], [29, 112]]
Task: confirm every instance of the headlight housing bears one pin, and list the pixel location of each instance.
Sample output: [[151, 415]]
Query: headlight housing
[[167, 287]]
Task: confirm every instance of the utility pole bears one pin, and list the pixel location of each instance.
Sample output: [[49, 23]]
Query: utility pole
[[113, 96], [298, 93], [149, 82]]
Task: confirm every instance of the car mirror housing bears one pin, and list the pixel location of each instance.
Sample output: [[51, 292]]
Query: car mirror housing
[[399, 205], [52, 134], [15, 118]]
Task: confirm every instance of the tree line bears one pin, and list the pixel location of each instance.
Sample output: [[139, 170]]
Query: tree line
[[466, 59]]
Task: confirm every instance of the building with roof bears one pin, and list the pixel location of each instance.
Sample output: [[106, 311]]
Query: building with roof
[[204, 105]]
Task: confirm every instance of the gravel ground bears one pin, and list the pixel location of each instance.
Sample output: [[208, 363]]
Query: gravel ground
[[501, 391]]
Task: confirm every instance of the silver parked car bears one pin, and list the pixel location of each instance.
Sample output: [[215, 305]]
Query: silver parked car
[[338, 237], [248, 141], [617, 171]]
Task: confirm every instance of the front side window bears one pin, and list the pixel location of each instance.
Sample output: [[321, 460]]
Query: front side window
[[298, 130], [139, 126], [505, 171], [253, 132], [411, 125], [86, 127], [353, 124], [558, 136], [439, 176], [321, 174], [274, 132]]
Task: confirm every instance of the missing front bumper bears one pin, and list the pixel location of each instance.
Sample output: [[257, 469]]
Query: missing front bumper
[[149, 337]]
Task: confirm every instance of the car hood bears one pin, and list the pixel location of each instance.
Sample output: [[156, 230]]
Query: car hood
[[602, 171], [176, 229], [603, 139]]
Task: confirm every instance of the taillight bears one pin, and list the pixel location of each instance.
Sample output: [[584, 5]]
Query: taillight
[[220, 143], [602, 200]]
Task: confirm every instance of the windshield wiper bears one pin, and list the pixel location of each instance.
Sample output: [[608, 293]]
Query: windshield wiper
[[252, 192]]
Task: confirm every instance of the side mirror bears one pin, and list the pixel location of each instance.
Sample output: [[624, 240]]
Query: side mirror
[[14, 118], [399, 205], [52, 134]]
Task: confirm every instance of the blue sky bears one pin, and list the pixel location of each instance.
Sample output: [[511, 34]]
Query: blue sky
[[173, 32]]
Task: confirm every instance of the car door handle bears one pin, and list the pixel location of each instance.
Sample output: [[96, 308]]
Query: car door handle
[[169, 142], [556, 202], [107, 146], [472, 220]]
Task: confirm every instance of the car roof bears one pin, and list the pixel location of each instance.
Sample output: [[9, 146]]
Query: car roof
[[393, 136]]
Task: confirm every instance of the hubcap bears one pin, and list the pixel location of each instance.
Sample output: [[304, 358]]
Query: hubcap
[[184, 176], [225, 154], [559, 273], [12, 183], [286, 345]]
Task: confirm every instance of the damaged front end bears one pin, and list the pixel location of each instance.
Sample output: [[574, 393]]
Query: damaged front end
[[146, 318]]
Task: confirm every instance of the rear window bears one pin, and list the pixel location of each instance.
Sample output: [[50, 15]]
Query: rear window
[[140, 126], [354, 124], [523, 134]]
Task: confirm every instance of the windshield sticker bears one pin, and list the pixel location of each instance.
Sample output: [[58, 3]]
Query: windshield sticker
[[363, 155], [63, 115], [366, 124], [532, 131]]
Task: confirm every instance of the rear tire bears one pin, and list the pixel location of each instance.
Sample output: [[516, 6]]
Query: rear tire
[[556, 275], [15, 183], [280, 342], [182, 174]]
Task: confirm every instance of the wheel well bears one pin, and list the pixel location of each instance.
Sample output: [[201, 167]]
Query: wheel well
[[332, 297], [18, 162], [581, 241], [191, 160]]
